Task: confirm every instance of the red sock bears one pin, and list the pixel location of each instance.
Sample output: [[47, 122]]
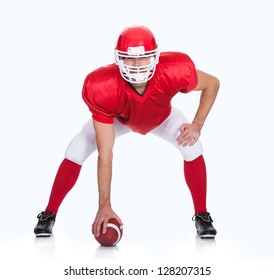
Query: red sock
[[65, 179], [195, 176]]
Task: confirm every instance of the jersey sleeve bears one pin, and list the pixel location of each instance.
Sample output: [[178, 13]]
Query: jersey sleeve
[[98, 100], [178, 72], [191, 78]]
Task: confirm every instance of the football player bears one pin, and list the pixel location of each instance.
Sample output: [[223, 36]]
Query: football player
[[134, 95]]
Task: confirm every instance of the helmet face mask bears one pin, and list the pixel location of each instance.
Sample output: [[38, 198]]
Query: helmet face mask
[[136, 42]]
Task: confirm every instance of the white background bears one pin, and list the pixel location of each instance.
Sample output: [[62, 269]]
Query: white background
[[47, 49]]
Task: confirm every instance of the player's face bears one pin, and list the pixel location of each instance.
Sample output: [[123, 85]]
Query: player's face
[[137, 69], [141, 61]]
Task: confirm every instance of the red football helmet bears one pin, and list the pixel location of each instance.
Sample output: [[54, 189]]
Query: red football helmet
[[136, 42]]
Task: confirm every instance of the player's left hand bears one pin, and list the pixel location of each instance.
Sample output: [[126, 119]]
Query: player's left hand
[[190, 133]]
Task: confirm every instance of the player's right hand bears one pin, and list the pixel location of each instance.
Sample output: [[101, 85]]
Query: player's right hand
[[101, 220]]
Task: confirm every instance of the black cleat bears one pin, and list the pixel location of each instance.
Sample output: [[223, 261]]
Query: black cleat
[[203, 224], [46, 220]]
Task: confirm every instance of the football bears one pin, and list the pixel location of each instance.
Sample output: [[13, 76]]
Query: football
[[113, 234]]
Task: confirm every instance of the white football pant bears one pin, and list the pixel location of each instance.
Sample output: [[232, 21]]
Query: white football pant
[[84, 143]]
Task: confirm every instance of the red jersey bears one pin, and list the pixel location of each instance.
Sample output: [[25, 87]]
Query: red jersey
[[109, 96]]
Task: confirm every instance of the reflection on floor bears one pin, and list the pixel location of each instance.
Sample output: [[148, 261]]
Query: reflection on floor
[[47, 258]]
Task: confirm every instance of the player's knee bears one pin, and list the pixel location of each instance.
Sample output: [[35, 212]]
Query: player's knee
[[74, 157], [80, 149], [192, 152]]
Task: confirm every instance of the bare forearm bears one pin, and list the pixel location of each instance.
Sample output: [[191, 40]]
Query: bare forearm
[[206, 103], [207, 100], [105, 211], [104, 180]]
